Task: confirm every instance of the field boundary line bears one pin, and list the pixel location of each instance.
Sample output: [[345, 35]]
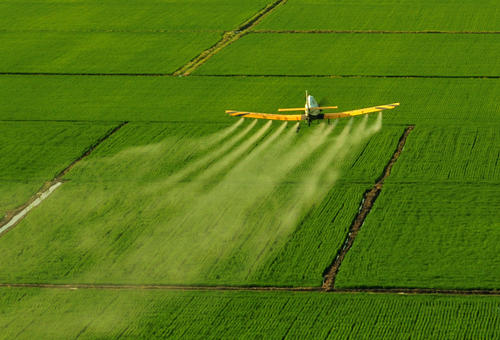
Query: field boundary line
[[159, 287], [409, 76], [367, 202], [227, 39], [112, 31], [264, 31], [414, 291], [414, 76], [13, 217]]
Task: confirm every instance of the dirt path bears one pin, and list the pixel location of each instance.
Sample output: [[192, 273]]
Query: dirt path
[[366, 205], [492, 292], [415, 76], [372, 32], [13, 217]]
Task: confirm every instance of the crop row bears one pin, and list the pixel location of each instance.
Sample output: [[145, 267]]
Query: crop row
[[62, 314], [359, 54], [444, 154], [450, 102], [407, 15], [100, 52], [186, 203], [428, 235], [134, 15], [32, 153]]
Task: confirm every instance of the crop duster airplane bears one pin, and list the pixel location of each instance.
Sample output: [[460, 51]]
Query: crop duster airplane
[[312, 111]]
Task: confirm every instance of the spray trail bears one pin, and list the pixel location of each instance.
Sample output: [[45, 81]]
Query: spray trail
[[217, 137], [207, 159], [230, 226], [326, 170], [228, 210], [234, 154]]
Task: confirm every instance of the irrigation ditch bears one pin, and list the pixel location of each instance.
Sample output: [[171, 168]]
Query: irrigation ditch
[[369, 199], [371, 32], [403, 76], [402, 291], [13, 217]]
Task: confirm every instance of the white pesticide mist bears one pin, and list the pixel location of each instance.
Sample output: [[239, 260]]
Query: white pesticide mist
[[208, 158], [261, 185], [234, 154]]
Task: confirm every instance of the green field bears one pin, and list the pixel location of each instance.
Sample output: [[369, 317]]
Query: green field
[[101, 52], [464, 154], [89, 314], [33, 153], [390, 15], [127, 235], [440, 102], [435, 236], [185, 195], [359, 54], [133, 15]]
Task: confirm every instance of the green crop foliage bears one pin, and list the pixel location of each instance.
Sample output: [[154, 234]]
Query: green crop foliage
[[90, 314], [465, 154], [204, 99], [428, 235], [436, 221], [100, 52], [163, 203], [132, 15], [406, 15], [359, 54], [32, 153]]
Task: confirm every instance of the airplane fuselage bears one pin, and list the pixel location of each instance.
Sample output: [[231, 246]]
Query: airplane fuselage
[[311, 111]]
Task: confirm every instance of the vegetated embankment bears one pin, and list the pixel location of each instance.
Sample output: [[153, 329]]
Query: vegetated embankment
[[227, 39]]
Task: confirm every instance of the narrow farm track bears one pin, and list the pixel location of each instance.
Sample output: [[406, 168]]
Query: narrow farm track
[[366, 205], [415, 76], [371, 32], [493, 292], [227, 39], [19, 213]]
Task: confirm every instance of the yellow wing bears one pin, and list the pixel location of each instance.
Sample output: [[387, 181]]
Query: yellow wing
[[245, 114], [360, 111], [314, 108]]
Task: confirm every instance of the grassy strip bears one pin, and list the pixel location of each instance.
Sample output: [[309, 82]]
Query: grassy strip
[[227, 39], [62, 314], [361, 54], [203, 99], [468, 15]]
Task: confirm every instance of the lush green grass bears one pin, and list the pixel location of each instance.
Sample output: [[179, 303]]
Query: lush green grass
[[428, 235], [204, 99], [436, 221], [32, 153], [103, 52], [406, 15], [90, 314], [359, 54], [171, 203], [132, 15], [450, 154]]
